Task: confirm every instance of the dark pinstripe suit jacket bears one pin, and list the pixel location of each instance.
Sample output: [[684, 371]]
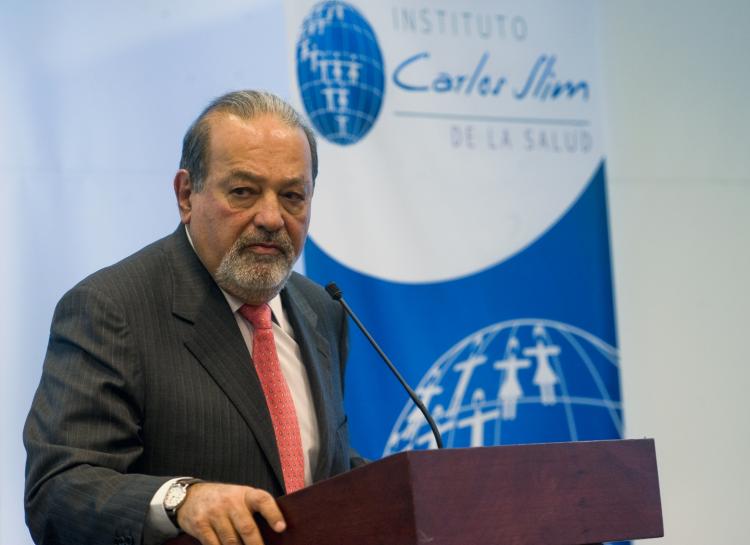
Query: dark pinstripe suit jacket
[[147, 377]]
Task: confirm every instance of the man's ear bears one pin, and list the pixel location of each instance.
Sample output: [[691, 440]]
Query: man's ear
[[183, 190]]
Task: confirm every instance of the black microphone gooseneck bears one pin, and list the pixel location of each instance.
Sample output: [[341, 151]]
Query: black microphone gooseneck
[[335, 293]]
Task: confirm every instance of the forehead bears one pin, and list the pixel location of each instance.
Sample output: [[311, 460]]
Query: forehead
[[262, 143]]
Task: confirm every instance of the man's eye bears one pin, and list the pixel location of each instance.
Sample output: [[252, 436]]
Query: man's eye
[[294, 196], [240, 191]]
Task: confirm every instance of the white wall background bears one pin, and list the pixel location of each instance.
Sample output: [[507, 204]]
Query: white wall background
[[676, 78], [677, 75], [94, 100]]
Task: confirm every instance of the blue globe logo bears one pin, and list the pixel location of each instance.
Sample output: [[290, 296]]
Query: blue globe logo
[[340, 72], [521, 381]]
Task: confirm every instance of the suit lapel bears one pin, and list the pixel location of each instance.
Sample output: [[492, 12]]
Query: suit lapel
[[316, 355], [216, 342]]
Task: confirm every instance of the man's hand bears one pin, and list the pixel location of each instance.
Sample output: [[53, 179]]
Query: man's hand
[[222, 514]]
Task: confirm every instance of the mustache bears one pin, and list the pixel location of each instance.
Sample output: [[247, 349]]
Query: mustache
[[278, 238]]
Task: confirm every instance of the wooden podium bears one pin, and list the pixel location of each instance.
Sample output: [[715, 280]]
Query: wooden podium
[[548, 494]]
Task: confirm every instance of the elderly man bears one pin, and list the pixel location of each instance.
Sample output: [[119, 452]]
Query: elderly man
[[188, 385]]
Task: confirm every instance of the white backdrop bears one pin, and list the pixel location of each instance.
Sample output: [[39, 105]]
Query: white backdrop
[[679, 178], [94, 101]]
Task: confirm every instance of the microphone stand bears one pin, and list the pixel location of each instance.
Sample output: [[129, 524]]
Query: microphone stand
[[336, 294]]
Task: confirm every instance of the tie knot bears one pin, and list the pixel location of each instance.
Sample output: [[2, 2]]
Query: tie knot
[[259, 316]]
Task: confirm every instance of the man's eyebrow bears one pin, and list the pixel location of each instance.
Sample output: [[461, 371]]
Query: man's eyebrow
[[250, 176], [245, 175]]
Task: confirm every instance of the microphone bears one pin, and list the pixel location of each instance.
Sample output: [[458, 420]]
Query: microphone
[[335, 293]]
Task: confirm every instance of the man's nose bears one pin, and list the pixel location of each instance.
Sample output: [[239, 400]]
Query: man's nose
[[268, 214]]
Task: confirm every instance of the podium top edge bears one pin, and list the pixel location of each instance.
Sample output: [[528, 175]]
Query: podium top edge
[[643, 442]]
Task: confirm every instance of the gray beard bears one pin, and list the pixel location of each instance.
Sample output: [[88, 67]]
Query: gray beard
[[256, 279]]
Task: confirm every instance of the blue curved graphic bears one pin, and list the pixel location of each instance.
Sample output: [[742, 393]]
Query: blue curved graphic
[[564, 276]]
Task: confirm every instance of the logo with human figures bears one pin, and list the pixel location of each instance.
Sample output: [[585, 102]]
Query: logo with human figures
[[520, 381], [340, 72]]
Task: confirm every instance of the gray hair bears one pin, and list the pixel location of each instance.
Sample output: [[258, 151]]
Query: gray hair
[[246, 105]]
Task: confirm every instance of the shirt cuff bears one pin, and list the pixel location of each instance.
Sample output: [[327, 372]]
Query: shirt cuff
[[159, 527]]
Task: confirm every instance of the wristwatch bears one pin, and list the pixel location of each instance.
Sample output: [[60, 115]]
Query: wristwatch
[[175, 497]]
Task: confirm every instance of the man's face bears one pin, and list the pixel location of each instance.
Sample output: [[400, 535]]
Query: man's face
[[249, 222]]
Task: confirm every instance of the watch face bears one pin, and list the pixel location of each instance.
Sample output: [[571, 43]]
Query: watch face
[[175, 496]]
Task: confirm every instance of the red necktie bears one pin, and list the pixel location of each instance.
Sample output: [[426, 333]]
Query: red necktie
[[278, 396]]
